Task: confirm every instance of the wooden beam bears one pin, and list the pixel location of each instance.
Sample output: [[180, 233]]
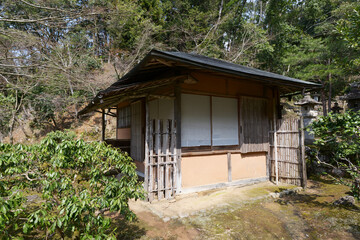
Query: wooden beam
[[103, 124], [162, 96], [177, 117], [166, 63], [109, 113]]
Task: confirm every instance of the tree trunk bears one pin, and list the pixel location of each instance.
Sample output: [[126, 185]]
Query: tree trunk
[[329, 99], [329, 80], [323, 100]]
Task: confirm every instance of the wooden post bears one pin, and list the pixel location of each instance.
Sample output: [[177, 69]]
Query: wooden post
[[146, 160], [158, 157], [167, 158], [229, 167], [275, 148], [103, 124], [151, 160], [173, 180], [177, 118], [302, 152], [268, 163]]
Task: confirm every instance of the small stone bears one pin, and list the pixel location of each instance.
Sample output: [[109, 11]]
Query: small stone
[[345, 201], [338, 172], [183, 215], [274, 195], [166, 219]]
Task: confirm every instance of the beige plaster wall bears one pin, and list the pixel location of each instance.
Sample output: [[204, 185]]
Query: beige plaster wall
[[249, 165], [123, 133], [212, 169], [203, 170]]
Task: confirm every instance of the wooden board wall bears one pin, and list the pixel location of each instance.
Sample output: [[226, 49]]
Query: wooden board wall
[[254, 125], [136, 134], [222, 86]]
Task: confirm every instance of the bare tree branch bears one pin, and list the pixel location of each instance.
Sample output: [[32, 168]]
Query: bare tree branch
[[41, 7]]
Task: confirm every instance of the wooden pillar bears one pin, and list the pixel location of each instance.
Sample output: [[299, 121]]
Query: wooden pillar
[[177, 118], [229, 167], [146, 157], [103, 125], [275, 146], [302, 153]]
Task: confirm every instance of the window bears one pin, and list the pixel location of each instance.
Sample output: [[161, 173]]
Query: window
[[207, 121], [195, 120], [124, 117], [225, 123]]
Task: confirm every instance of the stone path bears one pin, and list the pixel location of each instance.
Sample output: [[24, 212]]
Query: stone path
[[196, 203]]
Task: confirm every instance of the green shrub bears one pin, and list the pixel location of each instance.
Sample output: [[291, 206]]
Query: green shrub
[[76, 185], [337, 145]]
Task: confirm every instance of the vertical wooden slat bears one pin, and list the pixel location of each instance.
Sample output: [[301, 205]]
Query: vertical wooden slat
[[156, 157], [167, 158], [161, 161]]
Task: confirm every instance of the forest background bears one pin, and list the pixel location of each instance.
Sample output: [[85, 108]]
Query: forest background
[[53, 52]]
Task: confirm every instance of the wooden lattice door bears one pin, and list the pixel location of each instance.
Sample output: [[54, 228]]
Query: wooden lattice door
[[160, 159]]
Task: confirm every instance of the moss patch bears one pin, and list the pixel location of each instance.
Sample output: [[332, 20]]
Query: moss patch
[[307, 215]]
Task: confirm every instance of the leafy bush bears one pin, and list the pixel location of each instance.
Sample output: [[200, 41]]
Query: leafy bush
[[337, 146], [74, 182]]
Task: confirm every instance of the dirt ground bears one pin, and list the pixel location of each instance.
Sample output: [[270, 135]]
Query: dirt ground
[[249, 212]]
